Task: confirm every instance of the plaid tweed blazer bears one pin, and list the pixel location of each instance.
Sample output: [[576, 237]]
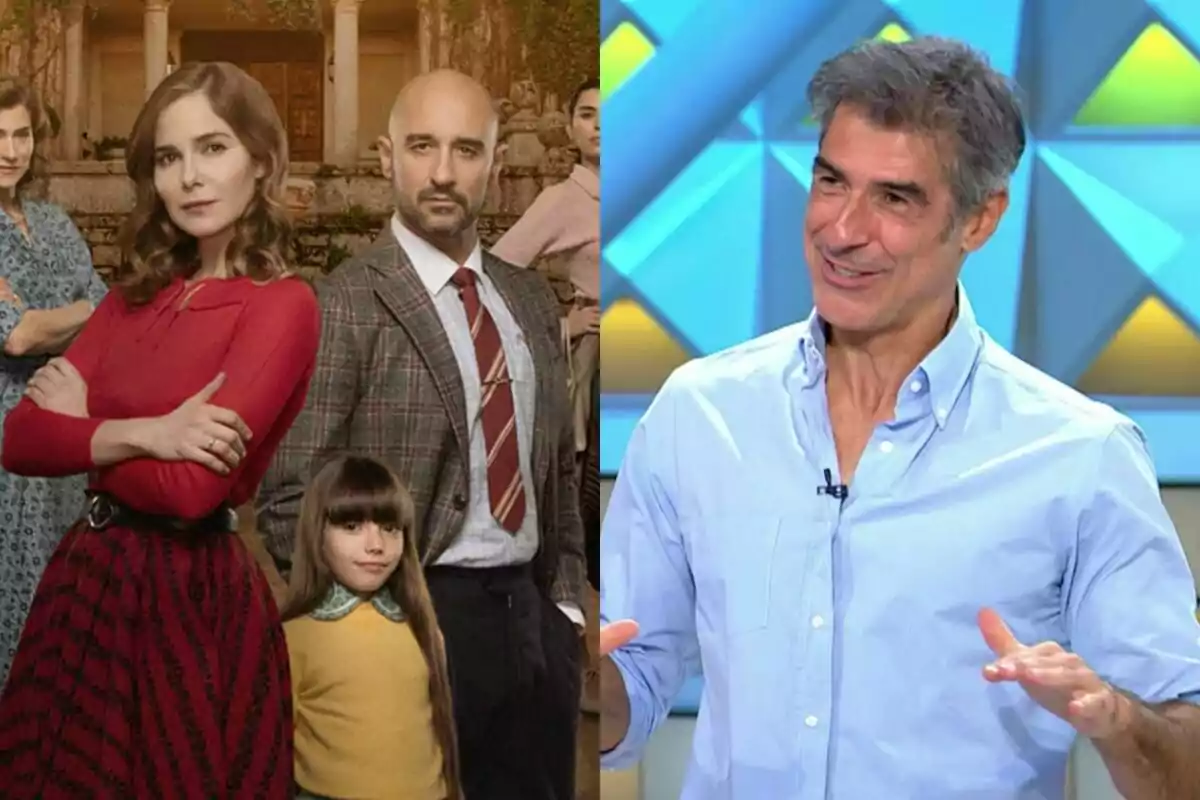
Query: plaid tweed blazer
[[387, 385]]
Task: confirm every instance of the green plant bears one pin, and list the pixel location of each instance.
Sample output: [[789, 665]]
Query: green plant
[[356, 219], [557, 41], [335, 255], [31, 27], [563, 48], [53, 121], [287, 13], [105, 147], [19, 15]]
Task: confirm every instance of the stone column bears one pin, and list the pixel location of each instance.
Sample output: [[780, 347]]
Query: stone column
[[345, 82], [72, 112], [154, 42]]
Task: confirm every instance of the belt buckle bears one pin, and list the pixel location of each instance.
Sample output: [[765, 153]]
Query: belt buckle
[[101, 512]]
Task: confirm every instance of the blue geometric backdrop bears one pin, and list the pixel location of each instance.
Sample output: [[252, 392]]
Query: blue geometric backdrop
[[1094, 275]]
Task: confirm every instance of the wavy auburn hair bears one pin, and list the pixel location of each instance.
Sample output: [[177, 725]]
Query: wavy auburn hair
[[15, 93], [154, 249], [357, 489]]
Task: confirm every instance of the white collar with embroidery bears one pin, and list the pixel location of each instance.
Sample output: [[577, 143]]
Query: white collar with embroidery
[[340, 601]]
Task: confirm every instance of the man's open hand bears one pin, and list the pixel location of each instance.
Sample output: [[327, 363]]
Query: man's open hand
[[1056, 679], [615, 634]]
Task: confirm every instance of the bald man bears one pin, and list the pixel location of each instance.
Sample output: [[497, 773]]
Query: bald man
[[447, 363]]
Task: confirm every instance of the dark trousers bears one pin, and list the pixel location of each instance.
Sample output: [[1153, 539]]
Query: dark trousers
[[514, 673]]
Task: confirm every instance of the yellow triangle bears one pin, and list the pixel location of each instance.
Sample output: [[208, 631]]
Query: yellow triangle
[[636, 354], [621, 55], [892, 32], [1156, 82], [1154, 353]]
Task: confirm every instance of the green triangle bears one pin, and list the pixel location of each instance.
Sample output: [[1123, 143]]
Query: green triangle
[[1156, 82], [892, 32]]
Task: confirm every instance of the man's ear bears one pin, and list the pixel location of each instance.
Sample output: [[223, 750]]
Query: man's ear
[[983, 223], [384, 145]]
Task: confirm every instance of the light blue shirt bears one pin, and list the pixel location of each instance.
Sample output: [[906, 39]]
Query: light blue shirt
[[839, 644]]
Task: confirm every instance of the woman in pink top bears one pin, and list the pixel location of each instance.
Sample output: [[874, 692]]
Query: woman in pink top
[[564, 223]]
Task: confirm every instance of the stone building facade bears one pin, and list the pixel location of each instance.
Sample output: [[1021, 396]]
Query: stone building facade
[[333, 81]]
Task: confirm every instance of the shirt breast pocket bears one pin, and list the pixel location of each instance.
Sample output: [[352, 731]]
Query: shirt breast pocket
[[734, 563]]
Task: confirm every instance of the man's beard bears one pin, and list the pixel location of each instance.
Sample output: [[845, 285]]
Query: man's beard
[[437, 227]]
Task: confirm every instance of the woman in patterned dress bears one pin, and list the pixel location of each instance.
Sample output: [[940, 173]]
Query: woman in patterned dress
[[153, 663], [47, 292]]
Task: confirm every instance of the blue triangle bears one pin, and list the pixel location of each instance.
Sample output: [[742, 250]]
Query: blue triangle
[[752, 118], [1146, 239], [1069, 67], [1179, 282], [797, 159], [1146, 172], [1084, 286], [995, 32], [738, 132], [663, 18], [748, 127], [1183, 16], [701, 180], [786, 294], [613, 285], [704, 277], [992, 276]]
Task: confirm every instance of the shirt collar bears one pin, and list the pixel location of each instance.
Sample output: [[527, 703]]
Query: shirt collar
[[433, 267], [340, 601], [587, 180], [943, 373]]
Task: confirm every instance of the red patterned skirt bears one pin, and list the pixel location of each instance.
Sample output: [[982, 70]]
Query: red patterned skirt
[[150, 667]]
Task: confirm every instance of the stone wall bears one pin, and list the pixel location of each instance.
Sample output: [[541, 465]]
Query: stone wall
[[338, 211]]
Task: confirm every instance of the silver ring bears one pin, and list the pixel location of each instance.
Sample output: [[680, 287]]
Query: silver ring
[[211, 444]]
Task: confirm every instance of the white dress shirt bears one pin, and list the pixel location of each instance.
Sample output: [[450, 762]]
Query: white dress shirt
[[482, 541]]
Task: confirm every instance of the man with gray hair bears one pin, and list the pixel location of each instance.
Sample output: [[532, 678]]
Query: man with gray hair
[[911, 565]]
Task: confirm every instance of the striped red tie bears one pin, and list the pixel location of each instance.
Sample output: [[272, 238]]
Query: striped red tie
[[506, 491]]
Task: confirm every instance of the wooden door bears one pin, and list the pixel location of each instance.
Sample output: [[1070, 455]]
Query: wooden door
[[289, 66], [305, 114], [295, 88], [273, 77]]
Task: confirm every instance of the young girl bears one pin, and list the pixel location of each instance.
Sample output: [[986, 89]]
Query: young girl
[[371, 694]]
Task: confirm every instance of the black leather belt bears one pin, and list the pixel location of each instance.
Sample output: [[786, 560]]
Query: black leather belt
[[105, 511]]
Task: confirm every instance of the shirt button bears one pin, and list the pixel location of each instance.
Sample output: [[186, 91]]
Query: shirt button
[[811, 721], [915, 386], [886, 447], [818, 621], [460, 501]]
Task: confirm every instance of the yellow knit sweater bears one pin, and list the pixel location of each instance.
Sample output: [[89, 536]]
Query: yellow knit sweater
[[364, 723]]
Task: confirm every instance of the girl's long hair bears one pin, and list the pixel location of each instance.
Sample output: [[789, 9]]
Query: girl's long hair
[[355, 489]]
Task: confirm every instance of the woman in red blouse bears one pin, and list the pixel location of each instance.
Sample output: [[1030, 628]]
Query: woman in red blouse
[[153, 662]]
